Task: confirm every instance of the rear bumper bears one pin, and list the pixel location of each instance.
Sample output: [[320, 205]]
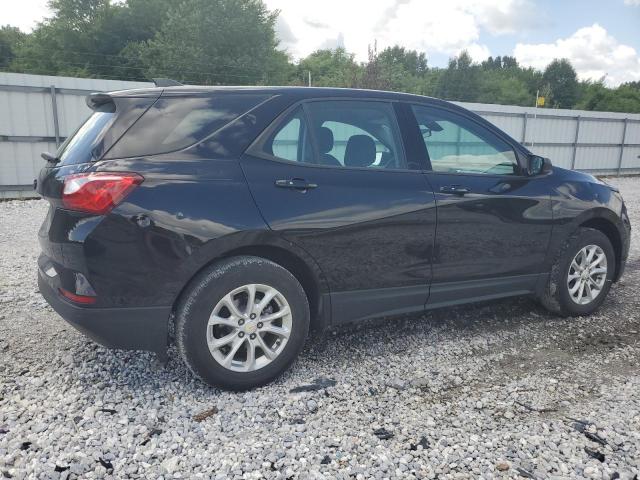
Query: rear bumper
[[143, 328]]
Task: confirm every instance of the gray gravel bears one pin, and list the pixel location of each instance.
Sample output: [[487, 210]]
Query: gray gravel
[[498, 390]]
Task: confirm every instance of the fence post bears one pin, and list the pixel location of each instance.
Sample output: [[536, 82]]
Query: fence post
[[575, 143], [624, 138], [54, 105], [524, 130]]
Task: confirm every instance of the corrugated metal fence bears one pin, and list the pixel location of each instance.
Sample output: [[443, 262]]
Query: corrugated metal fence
[[37, 112]]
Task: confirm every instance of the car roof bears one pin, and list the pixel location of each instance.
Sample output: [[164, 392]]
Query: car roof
[[303, 93], [298, 92]]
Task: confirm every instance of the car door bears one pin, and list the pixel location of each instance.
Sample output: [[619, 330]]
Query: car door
[[494, 222], [331, 176]]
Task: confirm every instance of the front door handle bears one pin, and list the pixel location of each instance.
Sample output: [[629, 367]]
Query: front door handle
[[296, 184], [455, 189]]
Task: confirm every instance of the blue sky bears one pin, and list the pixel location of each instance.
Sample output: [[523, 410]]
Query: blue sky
[[560, 19], [601, 38]]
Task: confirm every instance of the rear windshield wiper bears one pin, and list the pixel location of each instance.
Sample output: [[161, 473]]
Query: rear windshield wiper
[[49, 157]]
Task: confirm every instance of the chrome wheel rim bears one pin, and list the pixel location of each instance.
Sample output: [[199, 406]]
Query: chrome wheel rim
[[587, 274], [249, 327]]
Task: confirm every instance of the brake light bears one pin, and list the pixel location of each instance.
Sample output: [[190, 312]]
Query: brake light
[[97, 192]]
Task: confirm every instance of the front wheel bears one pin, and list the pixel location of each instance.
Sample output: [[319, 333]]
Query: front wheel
[[242, 322], [581, 275]]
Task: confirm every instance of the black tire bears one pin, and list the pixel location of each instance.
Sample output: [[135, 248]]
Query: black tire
[[199, 301], [556, 297]]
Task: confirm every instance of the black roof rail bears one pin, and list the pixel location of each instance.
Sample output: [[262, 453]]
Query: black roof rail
[[166, 82]]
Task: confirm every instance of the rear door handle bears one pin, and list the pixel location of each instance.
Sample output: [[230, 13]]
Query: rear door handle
[[296, 184], [455, 189]]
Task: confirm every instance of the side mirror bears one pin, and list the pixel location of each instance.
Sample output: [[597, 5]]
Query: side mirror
[[538, 165]]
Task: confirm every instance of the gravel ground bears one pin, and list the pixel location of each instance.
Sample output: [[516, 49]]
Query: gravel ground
[[499, 390]]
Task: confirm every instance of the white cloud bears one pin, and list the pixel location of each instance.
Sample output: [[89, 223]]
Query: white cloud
[[592, 51], [24, 14], [477, 52], [634, 3], [433, 26]]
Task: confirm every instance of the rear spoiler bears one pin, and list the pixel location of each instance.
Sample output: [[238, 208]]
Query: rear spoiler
[[98, 100]]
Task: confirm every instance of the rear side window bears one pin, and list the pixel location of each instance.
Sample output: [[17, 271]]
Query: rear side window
[[291, 141], [80, 147], [174, 123], [102, 129]]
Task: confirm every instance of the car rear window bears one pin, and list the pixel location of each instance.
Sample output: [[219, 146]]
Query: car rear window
[[174, 123]]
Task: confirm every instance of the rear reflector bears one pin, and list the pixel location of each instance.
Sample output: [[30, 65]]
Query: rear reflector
[[97, 192], [77, 298]]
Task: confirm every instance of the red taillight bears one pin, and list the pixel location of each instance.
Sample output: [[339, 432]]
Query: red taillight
[[77, 298], [97, 192]]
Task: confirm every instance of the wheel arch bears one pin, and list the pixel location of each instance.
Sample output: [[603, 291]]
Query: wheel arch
[[295, 260], [610, 230]]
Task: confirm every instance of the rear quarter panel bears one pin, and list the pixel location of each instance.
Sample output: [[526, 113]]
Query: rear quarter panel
[[147, 248]]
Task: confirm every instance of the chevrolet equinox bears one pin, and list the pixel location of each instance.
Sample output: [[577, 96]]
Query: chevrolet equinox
[[249, 216]]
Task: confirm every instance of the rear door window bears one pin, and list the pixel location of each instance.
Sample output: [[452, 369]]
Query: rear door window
[[351, 134], [359, 134], [175, 123]]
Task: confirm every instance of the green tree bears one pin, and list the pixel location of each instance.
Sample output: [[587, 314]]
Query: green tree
[[280, 70], [635, 85], [405, 70], [213, 42], [410, 62], [509, 62], [461, 80], [374, 75], [496, 86], [82, 38], [11, 38], [329, 68], [563, 80], [625, 98], [491, 63], [233, 42]]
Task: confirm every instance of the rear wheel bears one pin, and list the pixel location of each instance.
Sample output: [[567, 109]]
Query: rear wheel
[[582, 274], [242, 322]]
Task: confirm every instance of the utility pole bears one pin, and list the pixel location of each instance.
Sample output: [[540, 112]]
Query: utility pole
[[309, 77]]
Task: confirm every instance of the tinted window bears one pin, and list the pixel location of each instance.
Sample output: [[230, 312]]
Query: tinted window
[[102, 129], [356, 134], [79, 147], [174, 123], [290, 141], [459, 145]]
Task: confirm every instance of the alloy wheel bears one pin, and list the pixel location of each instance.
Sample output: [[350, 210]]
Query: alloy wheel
[[249, 327], [587, 274]]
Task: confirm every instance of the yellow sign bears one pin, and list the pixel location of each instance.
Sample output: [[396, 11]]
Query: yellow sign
[[541, 101]]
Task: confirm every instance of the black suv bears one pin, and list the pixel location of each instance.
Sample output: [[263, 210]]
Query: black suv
[[248, 216]]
